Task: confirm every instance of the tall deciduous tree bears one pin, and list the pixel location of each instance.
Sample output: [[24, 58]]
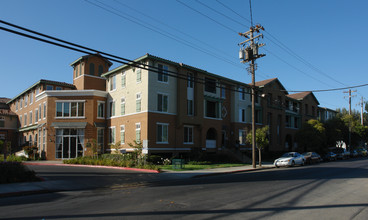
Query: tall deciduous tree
[[311, 137]]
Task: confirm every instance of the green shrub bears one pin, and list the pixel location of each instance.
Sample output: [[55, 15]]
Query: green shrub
[[13, 172], [120, 160], [199, 162]]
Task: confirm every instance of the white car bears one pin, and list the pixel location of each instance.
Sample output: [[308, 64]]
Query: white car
[[290, 159]]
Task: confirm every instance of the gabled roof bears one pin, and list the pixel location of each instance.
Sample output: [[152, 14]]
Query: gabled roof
[[303, 95], [263, 83], [150, 56], [42, 81], [89, 55]]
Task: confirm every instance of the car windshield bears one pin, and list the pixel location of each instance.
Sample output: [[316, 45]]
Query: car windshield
[[288, 155]]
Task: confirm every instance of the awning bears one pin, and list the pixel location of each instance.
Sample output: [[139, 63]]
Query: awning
[[28, 128], [69, 124], [100, 124]]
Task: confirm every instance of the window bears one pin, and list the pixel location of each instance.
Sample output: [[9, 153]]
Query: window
[[112, 108], [211, 109], [25, 120], [162, 103], [76, 72], [39, 112], [242, 94], [188, 135], [26, 101], [44, 110], [112, 135], [100, 109], [69, 109], [138, 102], [210, 85], [138, 132], [31, 98], [242, 137], [190, 80], [20, 120], [122, 134], [100, 137], [162, 133], [190, 107], [162, 73], [139, 75], [2, 121], [242, 115], [43, 139], [36, 115], [48, 87], [21, 103], [123, 80], [100, 70], [30, 117], [122, 106], [113, 83], [58, 88], [16, 106], [92, 69], [223, 92]]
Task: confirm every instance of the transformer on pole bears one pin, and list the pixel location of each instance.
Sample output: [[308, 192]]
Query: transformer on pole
[[249, 53]]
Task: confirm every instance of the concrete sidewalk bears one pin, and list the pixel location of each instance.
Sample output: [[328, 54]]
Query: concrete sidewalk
[[28, 188]]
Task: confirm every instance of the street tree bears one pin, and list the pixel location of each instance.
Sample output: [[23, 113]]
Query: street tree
[[261, 140]]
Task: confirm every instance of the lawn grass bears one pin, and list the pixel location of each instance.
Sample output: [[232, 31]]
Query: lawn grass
[[187, 167]]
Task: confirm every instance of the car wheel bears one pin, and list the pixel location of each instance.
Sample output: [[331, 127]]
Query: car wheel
[[292, 163]]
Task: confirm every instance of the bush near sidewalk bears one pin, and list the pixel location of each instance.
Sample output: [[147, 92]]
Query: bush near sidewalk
[[118, 160], [14, 172]]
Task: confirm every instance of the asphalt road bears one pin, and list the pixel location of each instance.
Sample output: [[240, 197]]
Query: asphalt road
[[336, 190]]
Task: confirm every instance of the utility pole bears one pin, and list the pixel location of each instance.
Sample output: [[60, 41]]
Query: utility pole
[[249, 53], [350, 91], [361, 111]]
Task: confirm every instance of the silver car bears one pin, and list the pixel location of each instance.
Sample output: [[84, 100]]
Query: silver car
[[290, 159]]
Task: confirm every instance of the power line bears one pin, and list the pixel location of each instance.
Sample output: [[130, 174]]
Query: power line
[[118, 59], [112, 10], [286, 48]]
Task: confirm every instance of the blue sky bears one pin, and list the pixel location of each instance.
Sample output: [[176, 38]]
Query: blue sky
[[325, 40]]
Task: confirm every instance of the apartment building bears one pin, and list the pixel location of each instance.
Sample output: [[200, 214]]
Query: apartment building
[[60, 118], [8, 123], [167, 106]]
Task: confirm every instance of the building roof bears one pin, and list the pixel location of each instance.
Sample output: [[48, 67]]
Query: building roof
[[150, 56], [4, 100], [263, 83], [86, 56], [42, 81], [302, 95], [7, 112]]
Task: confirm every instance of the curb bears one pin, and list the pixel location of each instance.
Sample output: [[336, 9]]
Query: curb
[[231, 172], [95, 166]]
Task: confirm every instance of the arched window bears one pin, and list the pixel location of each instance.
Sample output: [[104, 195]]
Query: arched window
[[100, 70], [92, 69]]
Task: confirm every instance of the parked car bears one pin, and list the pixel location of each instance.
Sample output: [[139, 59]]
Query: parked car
[[362, 152], [354, 153], [329, 156], [342, 153], [312, 157], [290, 159]]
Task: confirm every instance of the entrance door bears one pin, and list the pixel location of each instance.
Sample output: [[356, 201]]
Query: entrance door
[[65, 147]]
